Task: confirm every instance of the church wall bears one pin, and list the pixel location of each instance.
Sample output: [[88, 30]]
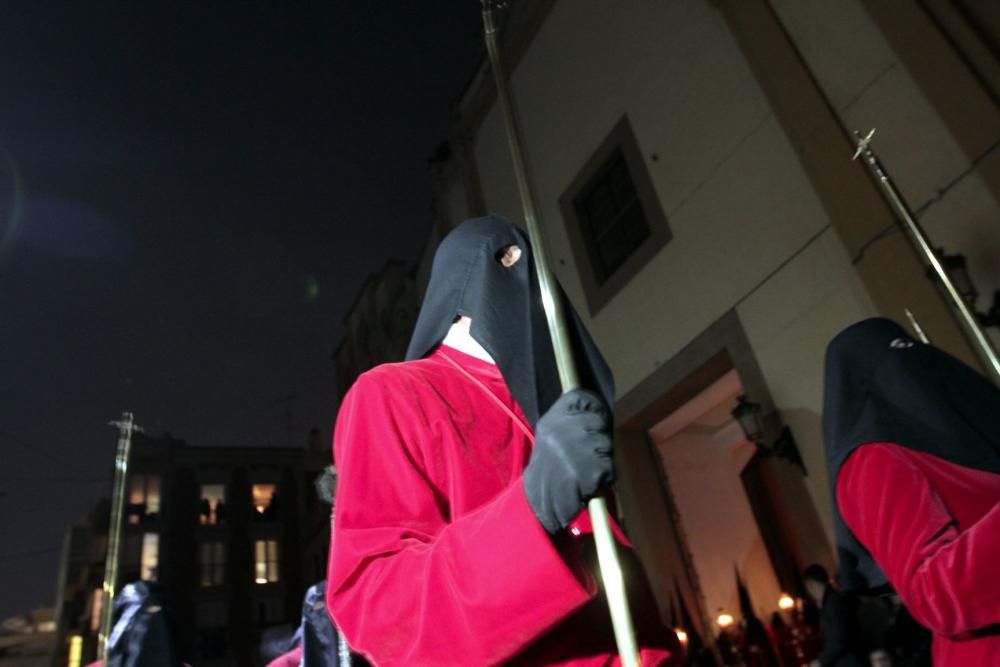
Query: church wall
[[748, 230], [894, 70], [750, 194]]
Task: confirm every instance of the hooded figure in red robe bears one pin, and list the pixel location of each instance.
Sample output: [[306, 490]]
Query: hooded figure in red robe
[[913, 451], [459, 537]]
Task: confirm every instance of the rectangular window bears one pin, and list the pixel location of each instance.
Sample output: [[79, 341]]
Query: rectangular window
[[265, 501], [213, 563], [150, 561], [143, 498], [266, 561], [213, 496], [613, 216]]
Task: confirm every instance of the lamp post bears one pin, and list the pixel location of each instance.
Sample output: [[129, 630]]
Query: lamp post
[[749, 416]]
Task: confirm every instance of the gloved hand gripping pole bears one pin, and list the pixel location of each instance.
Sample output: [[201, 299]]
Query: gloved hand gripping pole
[[607, 556]]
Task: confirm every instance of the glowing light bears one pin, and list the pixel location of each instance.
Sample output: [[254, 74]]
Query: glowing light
[[682, 636], [724, 620], [261, 580], [785, 602], [75, 650]]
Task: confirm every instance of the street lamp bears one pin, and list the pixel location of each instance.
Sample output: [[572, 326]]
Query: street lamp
[[748, 414]]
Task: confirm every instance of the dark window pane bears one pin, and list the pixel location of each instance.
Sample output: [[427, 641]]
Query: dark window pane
[[600, 208], [614, 250], [612, 219], [620, 182], [633, 224]]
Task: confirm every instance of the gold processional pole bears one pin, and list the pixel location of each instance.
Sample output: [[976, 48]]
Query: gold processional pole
[[919, 237], [916, 327], [126, 427], [611, 571]]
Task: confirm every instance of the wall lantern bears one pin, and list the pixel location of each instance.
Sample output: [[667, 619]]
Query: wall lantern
[[958, 272], [748, 414]]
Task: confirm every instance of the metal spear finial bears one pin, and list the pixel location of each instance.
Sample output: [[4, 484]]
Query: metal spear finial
[[862, 143], [905, 216]]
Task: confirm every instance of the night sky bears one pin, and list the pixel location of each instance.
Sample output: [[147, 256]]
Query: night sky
[[191, 196]]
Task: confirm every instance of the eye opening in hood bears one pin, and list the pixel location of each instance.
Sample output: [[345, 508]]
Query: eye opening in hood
[[508, 255]]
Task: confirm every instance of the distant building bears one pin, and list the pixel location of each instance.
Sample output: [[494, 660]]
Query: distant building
[[28, 640], [691, 163], [234, 534]]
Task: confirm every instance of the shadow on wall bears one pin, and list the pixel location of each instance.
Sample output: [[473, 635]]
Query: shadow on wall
[[807, 499]]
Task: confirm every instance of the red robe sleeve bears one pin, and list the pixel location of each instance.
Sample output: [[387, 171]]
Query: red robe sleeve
[[409, 585], [946, 577], [291, 659]]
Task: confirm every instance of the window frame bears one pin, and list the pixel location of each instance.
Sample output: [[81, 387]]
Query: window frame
[[597, 292], [149, 557], [211, 570], [271, 562]]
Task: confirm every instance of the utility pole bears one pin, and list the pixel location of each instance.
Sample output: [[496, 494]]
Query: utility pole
[[126, 427]]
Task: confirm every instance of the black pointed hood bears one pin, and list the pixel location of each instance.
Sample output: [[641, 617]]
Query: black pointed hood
[[507, 316], [883, 386]]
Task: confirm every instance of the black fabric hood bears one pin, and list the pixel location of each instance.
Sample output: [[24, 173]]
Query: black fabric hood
[[883, 386], [507, 316]]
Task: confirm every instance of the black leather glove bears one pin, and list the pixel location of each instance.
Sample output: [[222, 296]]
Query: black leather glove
[[571, 458]]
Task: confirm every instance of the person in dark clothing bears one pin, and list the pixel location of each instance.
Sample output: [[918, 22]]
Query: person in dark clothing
[[837, 621], [912, 440], [144, 633], [461, 536], [316, 643]]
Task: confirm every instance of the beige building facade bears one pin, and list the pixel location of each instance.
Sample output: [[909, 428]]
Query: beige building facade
[[732, 121]]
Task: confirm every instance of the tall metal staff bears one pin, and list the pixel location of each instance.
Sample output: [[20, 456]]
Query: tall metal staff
[[611, 571], [919, 238], [126, 427]]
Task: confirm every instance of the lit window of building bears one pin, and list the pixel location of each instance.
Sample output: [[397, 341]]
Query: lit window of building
[[213, 563], [266, 561], [150, 560], [265, 500], [213, 497], [143, 498]]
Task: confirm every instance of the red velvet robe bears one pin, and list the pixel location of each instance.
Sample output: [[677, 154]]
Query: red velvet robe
[[437, 558], [291, 659], [934, 528]]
